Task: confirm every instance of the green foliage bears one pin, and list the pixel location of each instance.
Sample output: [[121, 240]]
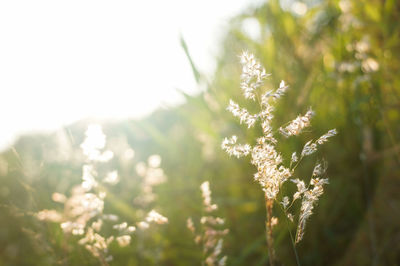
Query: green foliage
[[342, 59]]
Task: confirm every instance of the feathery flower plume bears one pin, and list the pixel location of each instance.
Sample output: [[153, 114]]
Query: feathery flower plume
[[272, 173]]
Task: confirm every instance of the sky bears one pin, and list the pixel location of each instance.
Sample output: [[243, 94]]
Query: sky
[[62, 61]]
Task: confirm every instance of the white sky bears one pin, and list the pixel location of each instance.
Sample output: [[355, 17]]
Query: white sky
[[61, 61]]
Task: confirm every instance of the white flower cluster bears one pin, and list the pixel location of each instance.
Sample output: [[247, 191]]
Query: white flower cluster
[[310, 197], [278, 93], [86, 202], [253, 75], [206, 193], [297, 125], [155, 217], [310, 147], [271, 172], [210, 237], [97, 244], [324, 138], [242, 113], [94, 142], [237, 150], [151, 175]]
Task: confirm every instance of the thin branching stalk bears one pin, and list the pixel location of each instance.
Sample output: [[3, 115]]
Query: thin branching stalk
[[273, 170]]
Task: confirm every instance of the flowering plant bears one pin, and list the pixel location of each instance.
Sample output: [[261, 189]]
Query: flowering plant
[[272, 170]]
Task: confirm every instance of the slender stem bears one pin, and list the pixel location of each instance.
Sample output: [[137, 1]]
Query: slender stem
[[102, 260], [291, 235], [294, 246], [298, 162], [258, 97], [299, 231], [268, 225]]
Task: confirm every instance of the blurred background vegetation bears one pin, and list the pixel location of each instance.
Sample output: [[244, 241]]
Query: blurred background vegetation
[[340, 57]]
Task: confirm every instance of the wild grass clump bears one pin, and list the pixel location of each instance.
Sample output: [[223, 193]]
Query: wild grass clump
[[83, 214], [209, 234]]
